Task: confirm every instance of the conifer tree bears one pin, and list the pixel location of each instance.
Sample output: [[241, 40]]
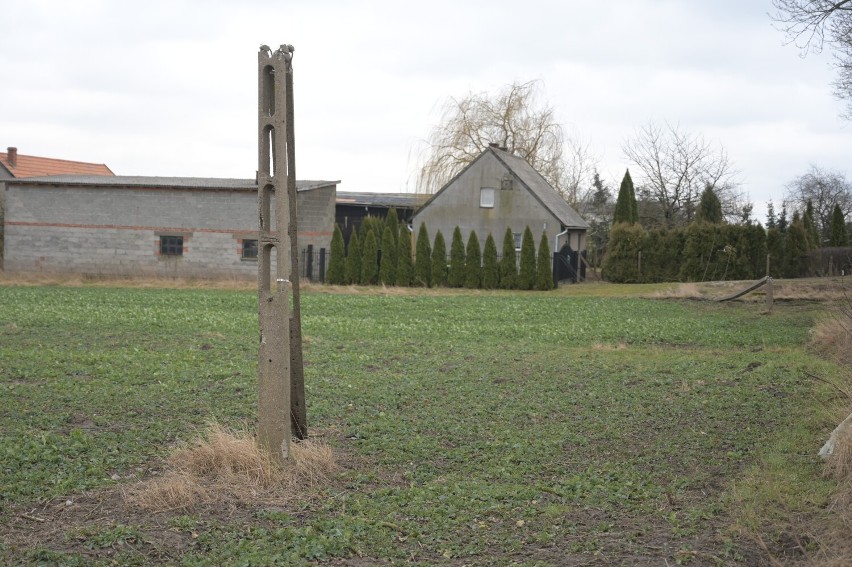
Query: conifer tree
[[811, 231], [439, 261], [370, 260], [777, 253], [387, 270], [423, 259], [620, 263], [544, 265], [392, 222], [508, 268], [473, 262], [526, 275], [490, 273], [336, 274], [404, 268], [783, 222], [771, 219], [797, 247], [709, 208], [456, 274], [353, 259], [626, 208], [839, 235]]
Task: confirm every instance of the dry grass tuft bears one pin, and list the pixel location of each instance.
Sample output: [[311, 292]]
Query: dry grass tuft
[[606, 347], [679, 291], [227, 465], [838, 465]]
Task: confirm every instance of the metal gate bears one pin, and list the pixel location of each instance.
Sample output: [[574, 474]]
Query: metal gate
[[567, 266]]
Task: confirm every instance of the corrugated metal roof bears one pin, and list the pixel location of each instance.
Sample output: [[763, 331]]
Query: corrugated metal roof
[[211, 183], [398, 200], [33, 166]]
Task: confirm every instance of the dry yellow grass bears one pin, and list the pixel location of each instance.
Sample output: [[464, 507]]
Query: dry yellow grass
[[227, 465]]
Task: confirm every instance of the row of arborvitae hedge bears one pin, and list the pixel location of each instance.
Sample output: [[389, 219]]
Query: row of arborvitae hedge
[[706, 252], [389, 260]]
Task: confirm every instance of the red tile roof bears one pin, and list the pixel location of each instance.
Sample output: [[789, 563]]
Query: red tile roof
[[32, 166]]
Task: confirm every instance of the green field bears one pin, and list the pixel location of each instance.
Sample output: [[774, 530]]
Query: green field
[[526, 428]]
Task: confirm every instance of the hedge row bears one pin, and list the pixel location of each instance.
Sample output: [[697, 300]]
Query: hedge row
[[699, 252], [389, 260]]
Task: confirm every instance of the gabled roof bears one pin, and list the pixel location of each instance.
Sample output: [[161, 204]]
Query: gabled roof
[[541, 189], [533, 181], [142, 182], [32, 166]]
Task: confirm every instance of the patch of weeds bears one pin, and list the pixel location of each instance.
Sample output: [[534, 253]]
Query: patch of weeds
[[95, 536]]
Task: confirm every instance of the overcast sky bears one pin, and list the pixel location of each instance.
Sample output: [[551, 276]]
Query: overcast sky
[[170, 87]]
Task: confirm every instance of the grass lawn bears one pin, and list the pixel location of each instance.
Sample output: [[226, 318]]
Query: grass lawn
[[504, 428]]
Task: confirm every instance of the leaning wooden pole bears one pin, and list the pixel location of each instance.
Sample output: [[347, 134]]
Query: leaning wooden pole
[[298, 411], [273, 284]]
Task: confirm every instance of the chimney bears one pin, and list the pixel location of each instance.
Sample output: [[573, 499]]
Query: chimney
[[12, 156], [494, 145]]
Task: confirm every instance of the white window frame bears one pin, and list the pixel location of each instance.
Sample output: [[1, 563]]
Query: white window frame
[[487, 197]]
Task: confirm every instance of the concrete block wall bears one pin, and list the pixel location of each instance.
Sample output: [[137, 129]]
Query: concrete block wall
[[116, 230]]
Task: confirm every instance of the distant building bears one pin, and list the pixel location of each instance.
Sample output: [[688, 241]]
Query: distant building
[[500, 190], [151, 226], [16, 166], [352, 208]]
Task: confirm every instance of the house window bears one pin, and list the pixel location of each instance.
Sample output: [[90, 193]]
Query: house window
[[486, 198], [171, 245], [517, 236], [249, 250]]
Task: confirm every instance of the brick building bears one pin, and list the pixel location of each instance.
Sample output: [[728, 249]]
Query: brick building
[[149, 226]]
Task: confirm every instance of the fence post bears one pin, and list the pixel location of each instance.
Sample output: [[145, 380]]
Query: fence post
[[309, 262], [322, 265]]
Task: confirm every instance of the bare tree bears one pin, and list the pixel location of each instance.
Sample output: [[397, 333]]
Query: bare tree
[[824, 189], [514, 119], [813, 24], [674, 167]]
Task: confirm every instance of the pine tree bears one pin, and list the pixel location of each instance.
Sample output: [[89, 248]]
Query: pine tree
[[370, 260], [456, 274], [423, 259], [473, 262], [783, 223], [709, 208], [439, 261], [336, 274], [387, 271], [526, 275], [839, 235], [404, 268], [490, 273], [508, 268], [544, 265], [771, 219], [626, 208], [353, 259], [814, 241]]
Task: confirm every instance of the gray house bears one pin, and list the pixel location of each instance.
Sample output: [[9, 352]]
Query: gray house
[[499, 190], [150, 226]]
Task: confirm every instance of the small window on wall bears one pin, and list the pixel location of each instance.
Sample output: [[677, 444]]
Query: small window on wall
[[171, 246], [486, 198], [249, 250], [517, 236]]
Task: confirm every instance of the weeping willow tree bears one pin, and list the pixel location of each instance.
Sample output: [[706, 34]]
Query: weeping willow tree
[[514, 119]]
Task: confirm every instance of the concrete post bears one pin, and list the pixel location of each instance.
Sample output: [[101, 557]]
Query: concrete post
[[274, 248]]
